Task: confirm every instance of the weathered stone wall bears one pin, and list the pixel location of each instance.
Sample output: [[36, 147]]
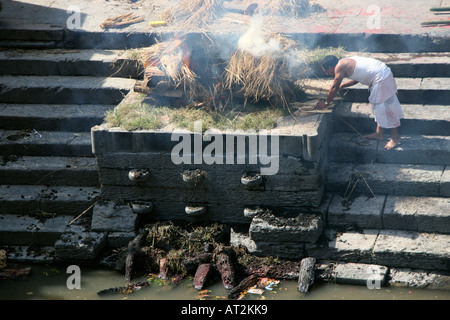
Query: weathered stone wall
[[233, 193]]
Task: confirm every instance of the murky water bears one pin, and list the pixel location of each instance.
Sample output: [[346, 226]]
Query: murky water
[[50, 283]]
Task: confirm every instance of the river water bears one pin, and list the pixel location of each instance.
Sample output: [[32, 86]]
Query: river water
[[50, 283]]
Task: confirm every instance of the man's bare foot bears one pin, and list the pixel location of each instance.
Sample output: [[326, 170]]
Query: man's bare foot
[[391, 144], [374, 136]]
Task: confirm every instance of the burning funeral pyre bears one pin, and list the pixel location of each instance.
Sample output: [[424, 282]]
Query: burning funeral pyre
[[260, 66]]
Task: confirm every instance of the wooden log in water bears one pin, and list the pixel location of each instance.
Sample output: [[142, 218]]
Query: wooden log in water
[[133, 252], [224, 265], [164, 269], [306, 275], [192, 263], [201, 275], [14, 272], [242, 286], [126, 289]]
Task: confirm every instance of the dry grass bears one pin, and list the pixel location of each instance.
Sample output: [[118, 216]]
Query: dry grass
[[317, 54], [270, 76], [256, 78], [194, 13], [122, 20], [290, 8], [172, 58]]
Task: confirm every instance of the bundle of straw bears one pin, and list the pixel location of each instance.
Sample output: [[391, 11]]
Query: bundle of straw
[[266, 77], [194, 13], [172, 58]]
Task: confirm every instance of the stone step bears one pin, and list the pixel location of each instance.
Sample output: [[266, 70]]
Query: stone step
[[48, 117], [406, 64], [391, 248], [419, 119], [26, 230], [45, 143], [427, 90], [351, 179], [66, 62], [70, 171], [29, 45], [74, 244], [413, 149], [63, 90], [410, 90], [422, 214], [30, 254], [43, 200], [28, 31], [296, 229]]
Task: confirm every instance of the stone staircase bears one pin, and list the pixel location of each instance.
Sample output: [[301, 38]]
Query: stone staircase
[[389, 208], [393, 206], [385, 207], [49, 100]]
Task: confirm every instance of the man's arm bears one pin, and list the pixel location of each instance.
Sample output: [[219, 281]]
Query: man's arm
[[335, 87], [338, 77], [348, 84]]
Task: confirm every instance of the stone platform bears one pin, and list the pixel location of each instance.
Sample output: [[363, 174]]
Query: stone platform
[[292, 180]]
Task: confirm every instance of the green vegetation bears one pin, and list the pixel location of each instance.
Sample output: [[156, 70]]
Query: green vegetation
[[317, 54], [134, 113]]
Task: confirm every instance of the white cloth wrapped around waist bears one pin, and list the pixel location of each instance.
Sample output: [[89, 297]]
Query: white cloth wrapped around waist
[[388, 113], [385, 105], [382, 90]]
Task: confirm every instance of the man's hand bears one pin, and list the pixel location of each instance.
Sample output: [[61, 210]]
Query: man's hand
[[321, 105]]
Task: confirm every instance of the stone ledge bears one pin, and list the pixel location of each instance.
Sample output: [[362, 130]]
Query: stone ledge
[[417, 213], [29, 199], [57, 117], [419, 279], [445, 182], [354, 247], [69, 171], [412, 250], [301, 137], [28, 254], [287, 250], [270, 228], [413, 149], [422, 214], [392, 179], [79, 245], [66, 63], [23, 230], [371, 275], [62, 89], [47, 143], [364, 212], [419, 118], [113, 218]]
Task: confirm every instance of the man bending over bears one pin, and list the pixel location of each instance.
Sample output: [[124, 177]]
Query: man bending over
[[383, 91]]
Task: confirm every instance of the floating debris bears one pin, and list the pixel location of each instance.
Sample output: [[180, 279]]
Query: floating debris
[[263, 284]]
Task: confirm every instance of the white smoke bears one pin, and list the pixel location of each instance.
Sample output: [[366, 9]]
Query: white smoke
[[253, 41]]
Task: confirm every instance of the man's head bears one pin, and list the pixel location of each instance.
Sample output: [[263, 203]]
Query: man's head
[[328, 64]]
